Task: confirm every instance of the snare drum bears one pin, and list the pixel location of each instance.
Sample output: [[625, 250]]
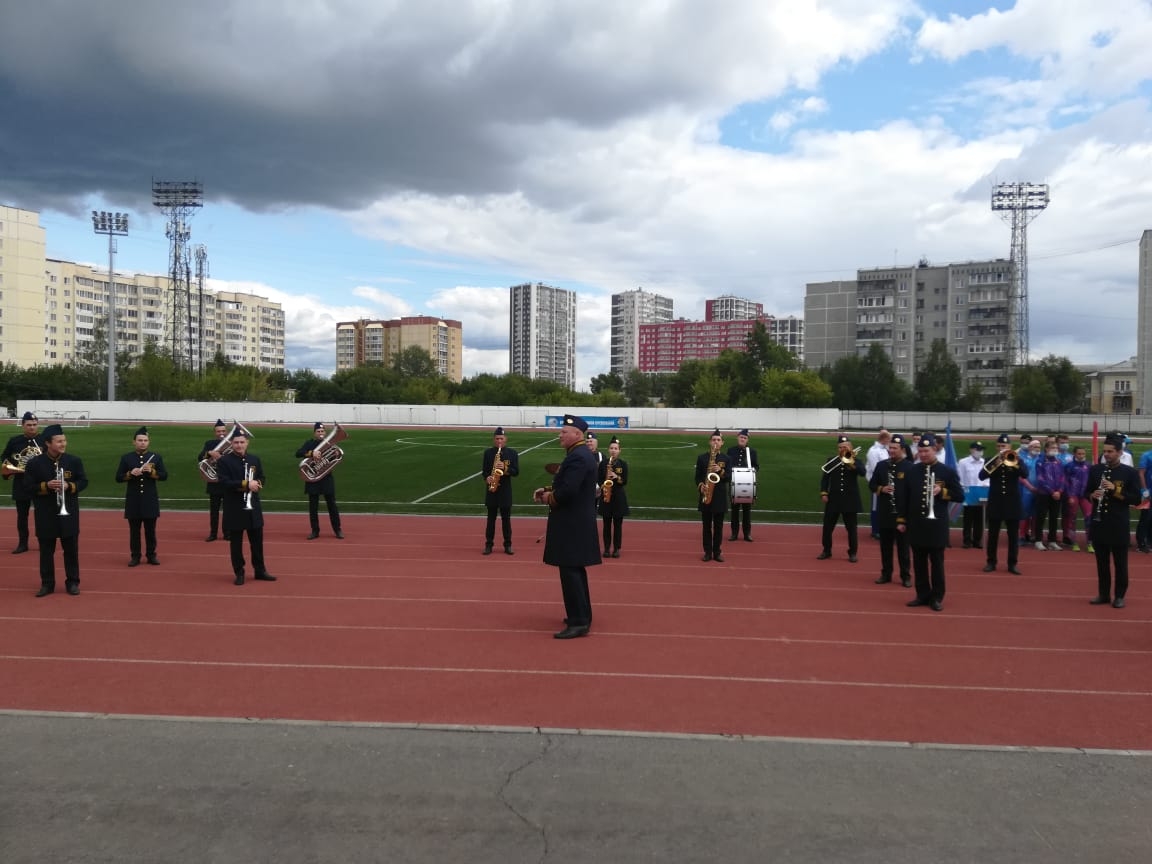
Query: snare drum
[[743, 485]]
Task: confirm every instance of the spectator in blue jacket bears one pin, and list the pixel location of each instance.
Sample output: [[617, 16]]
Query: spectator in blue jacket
[[1049, 483]]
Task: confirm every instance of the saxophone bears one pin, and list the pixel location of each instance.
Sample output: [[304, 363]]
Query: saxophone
[[606, 486], [498, 469], [708, 487]]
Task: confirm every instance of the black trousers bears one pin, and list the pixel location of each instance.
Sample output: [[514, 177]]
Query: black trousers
[[1119, 555], [505, 525], [1047, 508], [577, 601], [71, 547], [214, 502], [928, 565], [134, 537], [742, 514], [613, 526], [1012, 527], [22, 508], [255, 545], [314, 512], [891, 539], [713, 532], [974, 525], [831, 517]]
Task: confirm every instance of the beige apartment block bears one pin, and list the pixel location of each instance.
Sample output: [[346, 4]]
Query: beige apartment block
[[23, 304], [376, 343]]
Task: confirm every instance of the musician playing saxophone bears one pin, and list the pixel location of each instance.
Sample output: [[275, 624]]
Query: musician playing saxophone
[[887, 475], [139, 471], [613, 477], [840, 494], [215, 490], [713, 470], [325, 486], [500, 464], [242, 477], [922, 512], [52, 479], [19, 449], [1113, 487]]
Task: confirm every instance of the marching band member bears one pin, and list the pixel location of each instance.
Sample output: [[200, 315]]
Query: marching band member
[[140, 470], [742, 456], [613, 498], [1004, 502], [840, 494], [1115, 487], [215, 492], [19, 449], [877, 453], [923, 505], [242, 479], [498, 497], [969, 470], [571, 534], [325, 486], [713, 500], [886, 477], [54, 479]]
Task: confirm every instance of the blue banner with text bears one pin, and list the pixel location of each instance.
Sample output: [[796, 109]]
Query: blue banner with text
[[593, 422]]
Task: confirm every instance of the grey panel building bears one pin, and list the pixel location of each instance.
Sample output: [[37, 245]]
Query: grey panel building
[[542, 333], [1144, 326]]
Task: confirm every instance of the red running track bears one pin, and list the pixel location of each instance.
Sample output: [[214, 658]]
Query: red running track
[[405, 622]]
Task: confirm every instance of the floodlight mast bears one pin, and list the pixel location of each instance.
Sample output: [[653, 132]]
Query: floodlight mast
[[177, 200], [1018, 204], [114, 225]]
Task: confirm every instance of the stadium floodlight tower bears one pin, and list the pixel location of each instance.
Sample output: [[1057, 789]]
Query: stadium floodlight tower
[[177, 199], [1018, 204], [114, 225]]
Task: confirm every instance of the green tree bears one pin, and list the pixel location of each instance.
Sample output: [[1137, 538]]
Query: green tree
[[607, 381], [794, 388], [1068, 383], [739, 369], [972, 399], [1032, 390], [712, 390], [938, 382], [766, 354], [414, 362], [153, 377], [866, 383], [681, 391], [638, 388]]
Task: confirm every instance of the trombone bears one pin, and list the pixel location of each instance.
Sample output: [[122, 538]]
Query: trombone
[[1004, 457], [837, 460]]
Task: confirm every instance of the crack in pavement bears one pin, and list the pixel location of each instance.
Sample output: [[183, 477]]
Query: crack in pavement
[[549, 742]]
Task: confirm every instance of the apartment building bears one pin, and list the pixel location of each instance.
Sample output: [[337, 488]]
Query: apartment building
[[730, 308], [367, 343], [630, 309], [664, 347], [542, 333], [1144, 326]]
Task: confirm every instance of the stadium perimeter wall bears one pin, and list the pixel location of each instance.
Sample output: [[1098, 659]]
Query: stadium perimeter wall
[[988, 423]]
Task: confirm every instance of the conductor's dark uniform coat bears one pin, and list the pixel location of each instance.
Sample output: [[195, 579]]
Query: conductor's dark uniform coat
[[571, 542]]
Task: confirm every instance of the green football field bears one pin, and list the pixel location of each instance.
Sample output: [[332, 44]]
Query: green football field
[[402, 470]]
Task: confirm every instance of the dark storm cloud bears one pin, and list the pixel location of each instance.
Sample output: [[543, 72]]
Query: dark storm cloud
[[333, 104]]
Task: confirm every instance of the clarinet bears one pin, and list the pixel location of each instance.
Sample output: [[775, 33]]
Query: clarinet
[[1102, 503]]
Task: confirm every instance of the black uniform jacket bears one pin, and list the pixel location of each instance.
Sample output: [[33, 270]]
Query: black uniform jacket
[[502, 497], [1112, 527], [743, 457], [210, 444], [141, 499], [1004, 491], [912, 501], [231, 469], [720, 491], [889, 473], [40, 471], [325, 485], [12, 450], [572, 539], [617, 505], [843, 487]]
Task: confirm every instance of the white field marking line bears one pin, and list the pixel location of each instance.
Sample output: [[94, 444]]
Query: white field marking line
[[487, 728], [575, 673], [680, 445], [471, 477], [620, 634]]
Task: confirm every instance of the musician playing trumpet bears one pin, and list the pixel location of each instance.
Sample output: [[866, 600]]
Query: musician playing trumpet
[[613, 477], [713, 472], [922, 504], [325, 486], [139, 471], [1114, 488], [17, 453], [500, 464], [242, 478], [54, 479], [840, 495]]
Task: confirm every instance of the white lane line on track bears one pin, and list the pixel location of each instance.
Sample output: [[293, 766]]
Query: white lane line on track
[[471, 477]]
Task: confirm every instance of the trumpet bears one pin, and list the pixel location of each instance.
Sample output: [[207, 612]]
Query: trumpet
[[606, 486], [929, 493], [715, 470], [837, 460], [61, 493], [207, 466], [1005, 457], [20, 460], [249, 476], [497, 471]]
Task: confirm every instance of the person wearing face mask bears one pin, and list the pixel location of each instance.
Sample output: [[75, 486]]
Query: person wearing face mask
[[969, 470], [1029, 456], [1049, 485], [1076, 498]]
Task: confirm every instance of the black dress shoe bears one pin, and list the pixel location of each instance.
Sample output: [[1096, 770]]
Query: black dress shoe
[[747, 539], [152, 559], [487, 550], [1099, 601], [239, 580], [20, 547], [339, 534], [571, 632], [134, 562], [508, 550], [313, 535], [966, 544], [707, 556], [717, 557], [1118, 603], [883, 580], [851, 559], [917, 602], [72, 588], [906, 583], [823, 555], [616, 553], [607, 553], [45, 590], [989, 568], [732, 538], [936, 605], [1015, 571], [210, 538], [265, 577]]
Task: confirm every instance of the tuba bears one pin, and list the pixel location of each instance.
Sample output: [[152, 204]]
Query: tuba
[[498, 469], [325, 456], [708, 487], [20, 460], [207, 467], [606, 486]]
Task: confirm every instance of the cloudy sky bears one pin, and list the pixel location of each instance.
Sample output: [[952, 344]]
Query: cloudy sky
[[390, 157]]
